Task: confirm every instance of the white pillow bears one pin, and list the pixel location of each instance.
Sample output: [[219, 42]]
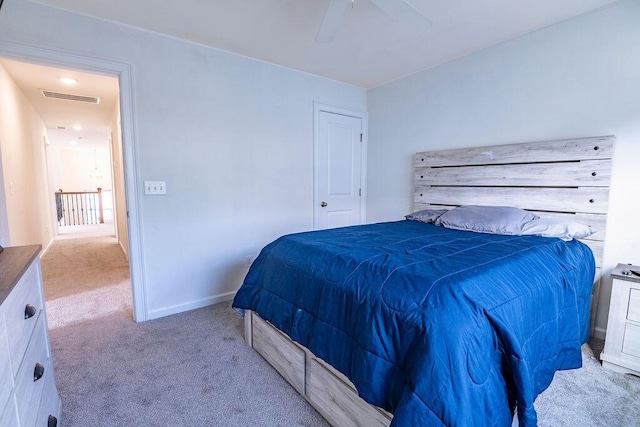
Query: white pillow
[[552, 227], [486, 219]]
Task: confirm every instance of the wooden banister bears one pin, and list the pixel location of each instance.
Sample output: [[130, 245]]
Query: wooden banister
[[79, 207], [100, 212]]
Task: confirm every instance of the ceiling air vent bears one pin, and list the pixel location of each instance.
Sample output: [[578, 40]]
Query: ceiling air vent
[[70, 97]]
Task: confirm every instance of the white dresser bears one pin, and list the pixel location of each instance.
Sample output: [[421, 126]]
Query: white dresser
[[28, 394], [622, 345]]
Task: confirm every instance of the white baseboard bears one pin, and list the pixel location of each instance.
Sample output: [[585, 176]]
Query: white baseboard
[[599, 333], [46, 248], [126, 254], [156, 314]]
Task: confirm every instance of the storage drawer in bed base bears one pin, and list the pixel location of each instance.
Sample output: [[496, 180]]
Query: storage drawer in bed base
[[281, 353], [327, 390]]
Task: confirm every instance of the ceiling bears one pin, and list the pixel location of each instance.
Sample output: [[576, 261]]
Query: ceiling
[[60, 116], [369, 48]]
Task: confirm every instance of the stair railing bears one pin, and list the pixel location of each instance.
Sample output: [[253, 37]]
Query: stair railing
[[79, 207]]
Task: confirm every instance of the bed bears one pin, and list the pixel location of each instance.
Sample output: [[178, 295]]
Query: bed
[[438, 326]]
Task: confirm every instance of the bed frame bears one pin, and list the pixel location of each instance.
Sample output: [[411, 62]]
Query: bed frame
[[560, 179]]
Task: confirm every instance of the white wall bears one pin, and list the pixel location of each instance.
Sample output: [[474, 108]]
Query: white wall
[[574, 79], [4, 219], [231, 136], [120, 205], [77, 169], [25, 209]]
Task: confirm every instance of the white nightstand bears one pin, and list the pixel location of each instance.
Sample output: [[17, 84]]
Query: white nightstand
[[622, 345]]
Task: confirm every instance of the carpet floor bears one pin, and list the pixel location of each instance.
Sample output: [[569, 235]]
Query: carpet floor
[[194, 369]]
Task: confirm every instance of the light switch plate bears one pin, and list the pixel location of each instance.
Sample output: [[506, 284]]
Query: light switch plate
[[155, 188]]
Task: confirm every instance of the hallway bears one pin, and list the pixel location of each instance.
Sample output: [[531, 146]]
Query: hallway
[[85, 278], [87, 293]]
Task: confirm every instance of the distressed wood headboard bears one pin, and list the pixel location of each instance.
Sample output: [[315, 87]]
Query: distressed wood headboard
[[562, 179]]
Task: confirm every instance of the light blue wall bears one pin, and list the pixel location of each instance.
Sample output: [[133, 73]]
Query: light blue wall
[[574, 79], [231, 136]]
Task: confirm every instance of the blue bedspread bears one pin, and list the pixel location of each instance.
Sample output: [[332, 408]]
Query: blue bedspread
[[438, 326]]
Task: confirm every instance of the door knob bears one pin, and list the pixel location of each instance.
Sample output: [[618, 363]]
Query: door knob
[[323, 204]]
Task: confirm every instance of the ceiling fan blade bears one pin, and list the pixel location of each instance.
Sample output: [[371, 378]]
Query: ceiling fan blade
[[331, 20], [404, 12]]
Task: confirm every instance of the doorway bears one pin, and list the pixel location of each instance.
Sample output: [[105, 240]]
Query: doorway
[[76, 181], [123, 72]]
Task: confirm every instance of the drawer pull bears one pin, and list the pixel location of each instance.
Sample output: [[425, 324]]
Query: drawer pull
[[38, 372], [52, 421], [29, 311]]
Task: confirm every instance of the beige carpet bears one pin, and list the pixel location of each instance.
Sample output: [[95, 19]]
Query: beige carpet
[[194, 369], [85, 278], [190, 369]]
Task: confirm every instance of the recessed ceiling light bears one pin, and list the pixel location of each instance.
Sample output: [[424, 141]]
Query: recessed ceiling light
[[77, 127], [68, 80], [73, 142]]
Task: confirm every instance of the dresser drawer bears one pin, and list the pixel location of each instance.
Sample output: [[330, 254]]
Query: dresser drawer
[[6, 381], [9, 416], [28, 391], [19, 329], [49, 403]]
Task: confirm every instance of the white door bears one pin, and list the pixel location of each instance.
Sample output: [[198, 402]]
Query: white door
[[338, 171]]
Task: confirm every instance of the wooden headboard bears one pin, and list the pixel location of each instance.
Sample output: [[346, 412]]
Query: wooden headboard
[[562, 179]]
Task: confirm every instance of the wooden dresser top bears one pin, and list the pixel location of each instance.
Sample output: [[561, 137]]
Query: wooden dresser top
[[13, 263]]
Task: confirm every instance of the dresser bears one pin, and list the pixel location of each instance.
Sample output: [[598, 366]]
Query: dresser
[[622, 345], [28, 394]]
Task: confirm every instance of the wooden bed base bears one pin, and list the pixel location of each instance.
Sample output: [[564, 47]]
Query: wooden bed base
[[326, 389], [565, 179]]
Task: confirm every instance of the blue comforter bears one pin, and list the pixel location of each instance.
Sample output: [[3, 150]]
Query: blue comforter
[[437, 326]]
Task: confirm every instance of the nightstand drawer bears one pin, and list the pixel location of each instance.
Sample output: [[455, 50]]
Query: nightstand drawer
[[634, 305], [28, 390], [19, 328], [631, 342]]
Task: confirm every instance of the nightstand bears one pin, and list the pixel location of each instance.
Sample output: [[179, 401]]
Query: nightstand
[[622, 345]]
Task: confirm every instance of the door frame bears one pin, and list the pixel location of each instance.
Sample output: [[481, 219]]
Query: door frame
[[362, 115], [124, 73]]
